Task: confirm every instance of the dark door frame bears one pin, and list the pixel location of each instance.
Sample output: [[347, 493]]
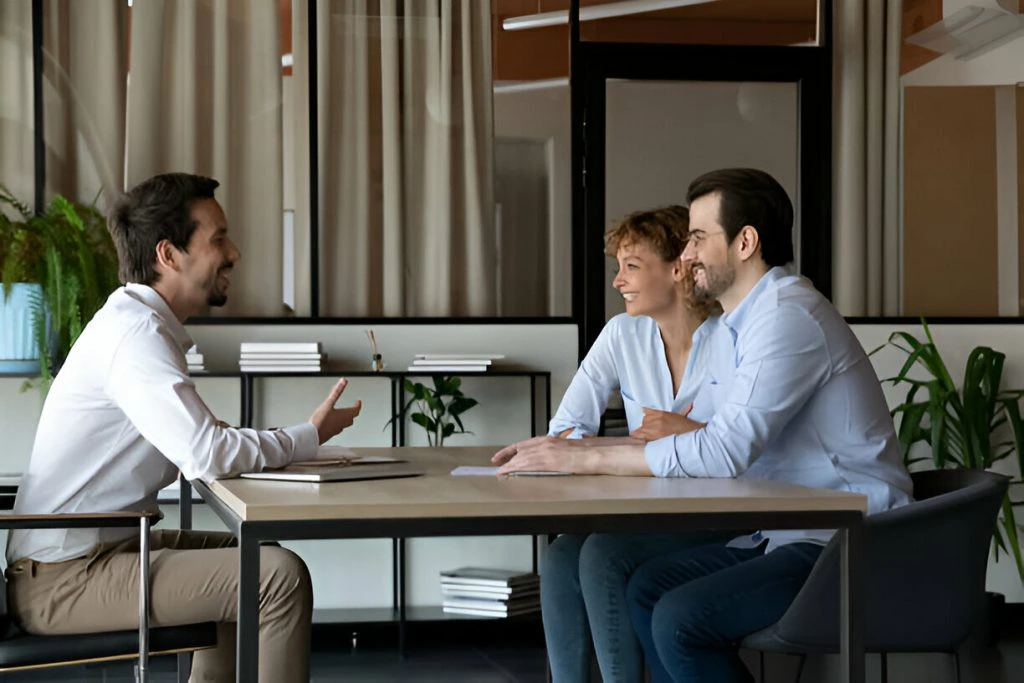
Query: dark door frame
[[593, 63]]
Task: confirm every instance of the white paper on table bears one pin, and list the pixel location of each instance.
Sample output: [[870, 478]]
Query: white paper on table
[[469, 471]]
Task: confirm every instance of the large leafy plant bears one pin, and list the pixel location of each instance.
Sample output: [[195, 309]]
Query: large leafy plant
[[438, 408], [970, 425], [67, 250]]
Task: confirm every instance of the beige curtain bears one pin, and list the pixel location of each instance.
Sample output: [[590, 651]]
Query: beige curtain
[[406, 157], [866, 241], [84, 69], [204, 97]]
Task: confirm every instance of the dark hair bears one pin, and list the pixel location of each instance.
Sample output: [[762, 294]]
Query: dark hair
[[155, 210], [664, 229], [751, 197]]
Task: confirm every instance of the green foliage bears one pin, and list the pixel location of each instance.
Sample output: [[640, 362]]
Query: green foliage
[[67, 250], [972, 426], [440, 418]]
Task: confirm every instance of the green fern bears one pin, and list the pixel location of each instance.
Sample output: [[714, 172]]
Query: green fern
[[67, 250]]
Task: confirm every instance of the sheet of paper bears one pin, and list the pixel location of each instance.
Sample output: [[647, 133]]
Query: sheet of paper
[[468, 471]]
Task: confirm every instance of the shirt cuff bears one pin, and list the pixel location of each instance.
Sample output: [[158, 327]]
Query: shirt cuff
[[661, 457], [306, 440], [576, 432]]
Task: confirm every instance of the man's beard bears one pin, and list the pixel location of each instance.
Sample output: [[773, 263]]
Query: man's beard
[[718, 281]]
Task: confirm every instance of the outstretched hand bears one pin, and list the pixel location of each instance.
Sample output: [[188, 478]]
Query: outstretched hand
[[658, 424], [329, 420]]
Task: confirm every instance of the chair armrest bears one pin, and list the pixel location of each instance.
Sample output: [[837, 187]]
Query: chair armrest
[[77, 520]]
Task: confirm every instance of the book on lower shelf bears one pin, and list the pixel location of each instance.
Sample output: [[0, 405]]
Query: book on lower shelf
[[479, 591]]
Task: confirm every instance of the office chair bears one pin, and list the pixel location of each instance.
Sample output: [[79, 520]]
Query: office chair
[[22, 651], [923, 575]]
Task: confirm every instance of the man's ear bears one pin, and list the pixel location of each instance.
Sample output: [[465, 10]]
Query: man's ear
[[167, 256], [748, 242]]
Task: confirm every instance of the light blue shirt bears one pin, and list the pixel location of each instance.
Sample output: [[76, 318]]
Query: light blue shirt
[[629, 356], [793, 397]]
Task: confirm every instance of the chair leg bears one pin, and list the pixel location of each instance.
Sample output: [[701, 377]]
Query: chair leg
[[800, 668], [184, 666], [956, 665], [760, 658], [884, 660]]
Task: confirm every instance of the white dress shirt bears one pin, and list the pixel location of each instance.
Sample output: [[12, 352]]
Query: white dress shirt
[[629, 356], [120, 419], [793, 397]]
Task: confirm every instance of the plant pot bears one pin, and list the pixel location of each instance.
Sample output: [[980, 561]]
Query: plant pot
[[19, 353]]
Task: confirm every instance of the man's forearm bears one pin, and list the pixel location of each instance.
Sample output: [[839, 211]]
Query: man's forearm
[[615, 458]]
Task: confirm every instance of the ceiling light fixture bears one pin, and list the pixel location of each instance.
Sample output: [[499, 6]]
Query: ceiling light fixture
[[593, 12]]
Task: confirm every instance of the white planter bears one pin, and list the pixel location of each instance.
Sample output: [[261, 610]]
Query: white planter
[[19, 353]]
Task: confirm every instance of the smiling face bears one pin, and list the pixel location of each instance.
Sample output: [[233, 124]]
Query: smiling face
[[647, 282], [206, 265], [708, 252]]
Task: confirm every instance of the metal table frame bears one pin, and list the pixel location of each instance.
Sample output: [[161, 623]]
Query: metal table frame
[[250, 534]]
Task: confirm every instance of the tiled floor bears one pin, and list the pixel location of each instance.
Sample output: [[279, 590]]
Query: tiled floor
[[981, 664]]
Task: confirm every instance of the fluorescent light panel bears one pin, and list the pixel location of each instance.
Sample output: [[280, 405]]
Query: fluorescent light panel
[[593, 12]]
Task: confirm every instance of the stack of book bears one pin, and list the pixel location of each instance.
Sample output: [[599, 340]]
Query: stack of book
[[489, 592], [453, 362], [195, 360], [280, 357]]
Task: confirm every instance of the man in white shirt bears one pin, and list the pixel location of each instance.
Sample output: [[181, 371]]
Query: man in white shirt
[[122, 418]]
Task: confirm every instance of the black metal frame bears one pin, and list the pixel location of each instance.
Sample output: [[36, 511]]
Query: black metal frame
[[250, 534], [810, 68]]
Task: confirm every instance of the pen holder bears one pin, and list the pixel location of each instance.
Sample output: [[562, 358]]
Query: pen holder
[[377, 365]]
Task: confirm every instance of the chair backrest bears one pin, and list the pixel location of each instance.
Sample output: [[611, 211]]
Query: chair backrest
[[923, 569]]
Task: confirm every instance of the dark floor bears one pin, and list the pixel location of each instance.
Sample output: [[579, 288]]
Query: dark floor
[[1002, 663]]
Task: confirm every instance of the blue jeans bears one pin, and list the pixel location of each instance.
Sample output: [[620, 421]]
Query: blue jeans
[[583, 600], [692, 607]]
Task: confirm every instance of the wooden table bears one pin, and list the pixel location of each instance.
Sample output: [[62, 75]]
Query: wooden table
[[439, 504]]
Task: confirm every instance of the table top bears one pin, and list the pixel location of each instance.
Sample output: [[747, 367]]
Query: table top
[[439, 494]]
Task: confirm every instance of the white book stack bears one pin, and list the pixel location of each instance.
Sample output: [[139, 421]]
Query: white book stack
[[194, 359], [457, 363], [497, 593], [280, 357]]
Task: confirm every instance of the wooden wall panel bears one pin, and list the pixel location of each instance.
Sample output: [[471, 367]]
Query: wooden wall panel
[[949, 206]]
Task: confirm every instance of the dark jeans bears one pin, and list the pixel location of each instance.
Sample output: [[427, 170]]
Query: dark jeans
[[692, 607]]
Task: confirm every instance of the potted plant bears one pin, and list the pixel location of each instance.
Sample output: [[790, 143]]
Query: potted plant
[[972, 424], [67, 253], [439, 417]]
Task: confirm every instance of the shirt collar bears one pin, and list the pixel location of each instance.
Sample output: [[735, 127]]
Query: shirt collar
[[151, 298], [735, 319]]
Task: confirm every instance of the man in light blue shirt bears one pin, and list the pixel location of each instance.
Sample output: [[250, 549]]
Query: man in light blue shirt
[[791, 395]]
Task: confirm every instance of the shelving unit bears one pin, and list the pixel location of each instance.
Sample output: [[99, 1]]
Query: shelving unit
[[399, 612]]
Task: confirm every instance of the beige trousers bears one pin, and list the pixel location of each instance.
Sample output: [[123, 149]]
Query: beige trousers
[[194, 577]]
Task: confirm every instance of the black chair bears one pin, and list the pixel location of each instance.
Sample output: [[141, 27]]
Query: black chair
[[22, 651], [923, 575]]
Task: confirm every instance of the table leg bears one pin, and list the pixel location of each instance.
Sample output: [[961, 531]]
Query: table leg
[[247, 653], [851, 608]]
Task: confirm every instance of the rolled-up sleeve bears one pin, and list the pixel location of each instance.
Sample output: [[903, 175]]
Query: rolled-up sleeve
[[782, 359], [587, 396]]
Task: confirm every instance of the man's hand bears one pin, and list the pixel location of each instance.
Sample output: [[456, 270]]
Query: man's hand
[[544, 454], [661, 423], [330, 421]]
